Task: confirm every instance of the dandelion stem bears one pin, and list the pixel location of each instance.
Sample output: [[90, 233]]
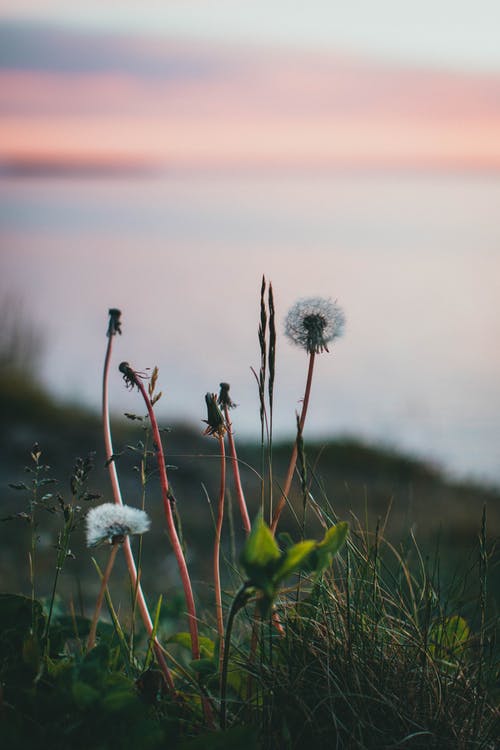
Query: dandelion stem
[[236, 473], [102, 591], [218, 534], [172, 531], [293, 459], [127, 549]]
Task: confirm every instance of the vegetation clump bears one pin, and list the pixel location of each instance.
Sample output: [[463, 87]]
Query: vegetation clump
[[331, 638]]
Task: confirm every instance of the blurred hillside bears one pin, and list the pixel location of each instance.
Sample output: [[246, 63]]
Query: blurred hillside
[[344, 476]]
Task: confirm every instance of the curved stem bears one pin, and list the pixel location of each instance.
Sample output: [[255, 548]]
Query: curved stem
[[236, 473], [218, 534], [239, 602], [127, 549], [172, 531], [100, 597], [293, 459]]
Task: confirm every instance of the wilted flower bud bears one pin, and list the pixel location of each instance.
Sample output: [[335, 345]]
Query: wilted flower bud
[[214, 420], [224, 397], [114, 321], [313, 322]]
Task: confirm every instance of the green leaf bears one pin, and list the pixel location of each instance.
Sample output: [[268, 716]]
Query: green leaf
[[294, 558], [203, 667], [207, 646], [260, 554], [332, 542], [285, 540], [31, 652], [448, 639], [119, 693], [156, 622], [84, 694]]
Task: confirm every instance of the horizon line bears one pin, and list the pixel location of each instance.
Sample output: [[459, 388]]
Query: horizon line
[[102, 167]]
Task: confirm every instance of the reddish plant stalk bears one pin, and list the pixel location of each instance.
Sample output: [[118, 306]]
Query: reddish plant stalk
[[100, 597], [236, 473], [172, 531], [127, 549], [293, 458], [218, 534]]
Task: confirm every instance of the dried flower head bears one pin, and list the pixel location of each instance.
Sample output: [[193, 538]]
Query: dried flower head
[[313, 322], [214, 420], [224, 397], [115, 324], [112, 523]]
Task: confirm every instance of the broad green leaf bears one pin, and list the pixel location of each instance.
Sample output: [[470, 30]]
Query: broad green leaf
[[285, 540], [31, 652], [119, 693], [207, 646], [260, 554], [449, 638], [84, 694], [293, 559], [330, 545]]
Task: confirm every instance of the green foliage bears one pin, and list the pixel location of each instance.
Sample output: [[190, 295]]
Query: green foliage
[[207, 646], [267, 567], [449, 639]]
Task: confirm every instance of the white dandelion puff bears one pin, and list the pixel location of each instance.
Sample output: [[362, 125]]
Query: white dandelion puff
[[313, 322], [112, 523]]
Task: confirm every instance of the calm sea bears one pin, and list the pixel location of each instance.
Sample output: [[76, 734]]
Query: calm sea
[[413, 260]]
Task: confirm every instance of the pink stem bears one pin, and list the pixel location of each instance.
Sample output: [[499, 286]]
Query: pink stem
[[236, 473], [172, 531], [127, 549], [293, 459], [218, 534]]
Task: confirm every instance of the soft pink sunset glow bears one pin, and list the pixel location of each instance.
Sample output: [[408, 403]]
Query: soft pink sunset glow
[[303, 111]]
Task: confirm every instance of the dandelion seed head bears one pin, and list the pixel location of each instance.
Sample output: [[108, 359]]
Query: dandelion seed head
[[313, 322], [112, 523]]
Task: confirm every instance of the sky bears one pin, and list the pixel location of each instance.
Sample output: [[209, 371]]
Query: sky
[[275, 84], [342, 149], [456, 33]]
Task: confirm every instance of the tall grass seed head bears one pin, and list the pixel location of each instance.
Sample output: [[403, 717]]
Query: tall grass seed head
[[313, 322], [112, 523]]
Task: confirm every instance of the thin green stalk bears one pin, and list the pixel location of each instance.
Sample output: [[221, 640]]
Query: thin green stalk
[[100, 597], [238, 603], [261, 379], [270, 391], [62, 553], [35, 454]]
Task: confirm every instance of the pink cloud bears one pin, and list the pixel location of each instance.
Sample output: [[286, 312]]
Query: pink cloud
[[290, 109]]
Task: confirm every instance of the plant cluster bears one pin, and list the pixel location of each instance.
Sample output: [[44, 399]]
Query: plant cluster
[[318, 641]]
